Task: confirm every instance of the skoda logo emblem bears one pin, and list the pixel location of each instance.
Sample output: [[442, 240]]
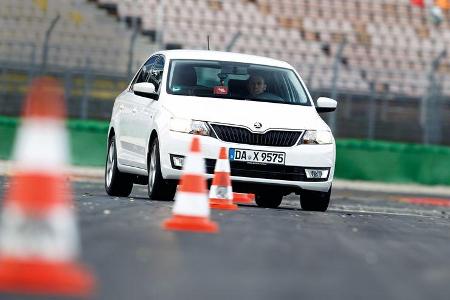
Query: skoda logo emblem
[[257, 125]]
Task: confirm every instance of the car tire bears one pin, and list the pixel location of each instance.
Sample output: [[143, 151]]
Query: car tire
[[268, 199], [158, 188], [314, 200], [116, 183]]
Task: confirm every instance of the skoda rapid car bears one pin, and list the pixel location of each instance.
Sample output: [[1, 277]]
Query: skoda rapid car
[[256, 107]]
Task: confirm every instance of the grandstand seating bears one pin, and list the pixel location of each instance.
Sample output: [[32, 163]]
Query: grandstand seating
[[84, 37], [389, 42]]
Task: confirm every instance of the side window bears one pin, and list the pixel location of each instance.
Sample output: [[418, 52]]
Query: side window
[[156, 73], [145, 70]]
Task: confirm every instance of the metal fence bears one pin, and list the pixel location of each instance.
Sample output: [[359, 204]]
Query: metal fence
[[89, 93], [386, 116]]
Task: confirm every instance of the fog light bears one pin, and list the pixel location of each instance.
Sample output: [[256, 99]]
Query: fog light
[[316, 174], [177, 161]]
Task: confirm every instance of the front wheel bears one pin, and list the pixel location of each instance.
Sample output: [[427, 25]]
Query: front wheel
[[116, 183], [268, 199], [158, 188], [315, 201]]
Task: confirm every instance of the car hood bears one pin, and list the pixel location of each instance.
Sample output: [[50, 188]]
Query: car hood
[[245, 113]]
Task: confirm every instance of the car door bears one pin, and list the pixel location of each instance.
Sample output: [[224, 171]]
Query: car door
[[147, 108], [131, 149]]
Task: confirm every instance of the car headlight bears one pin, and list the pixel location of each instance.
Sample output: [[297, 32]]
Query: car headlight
[[190, 126], [316, 137]]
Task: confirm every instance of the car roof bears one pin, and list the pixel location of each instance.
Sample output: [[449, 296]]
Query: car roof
[[223, 56]]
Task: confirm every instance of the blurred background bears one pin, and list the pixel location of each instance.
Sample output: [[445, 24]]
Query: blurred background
[[385, 61]]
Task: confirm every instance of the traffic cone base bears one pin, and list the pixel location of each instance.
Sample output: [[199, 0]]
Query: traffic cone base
[[242, 198], [188, 223], [41, 277], [220, 204]]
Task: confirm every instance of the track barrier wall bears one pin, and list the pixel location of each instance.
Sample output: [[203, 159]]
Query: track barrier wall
[[87, 140], [355, 159], [392, 162]]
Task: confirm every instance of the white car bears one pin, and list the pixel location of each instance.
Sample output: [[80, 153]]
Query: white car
[[257, 107]]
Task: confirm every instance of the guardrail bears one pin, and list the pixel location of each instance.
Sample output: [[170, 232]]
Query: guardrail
[[355, 159]]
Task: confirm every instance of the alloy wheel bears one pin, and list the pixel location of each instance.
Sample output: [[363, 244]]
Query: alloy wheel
[[152, 169], [110, 164]]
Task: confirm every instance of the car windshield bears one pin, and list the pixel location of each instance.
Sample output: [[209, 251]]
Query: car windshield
[[232, 80]]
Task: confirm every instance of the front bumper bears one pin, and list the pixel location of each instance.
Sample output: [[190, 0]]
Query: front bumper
[[291, 175]]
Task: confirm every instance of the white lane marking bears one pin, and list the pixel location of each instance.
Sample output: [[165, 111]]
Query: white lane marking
[[390, 188], [387, 211], [379, 210]]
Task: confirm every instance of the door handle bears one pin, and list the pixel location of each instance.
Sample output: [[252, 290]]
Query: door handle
[[134, 110], [121, 106]]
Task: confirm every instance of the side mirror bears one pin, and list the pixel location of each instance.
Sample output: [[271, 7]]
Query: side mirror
[[326, 105], [145, 89]]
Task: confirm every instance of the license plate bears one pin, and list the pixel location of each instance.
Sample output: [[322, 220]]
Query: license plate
[[252, 156]]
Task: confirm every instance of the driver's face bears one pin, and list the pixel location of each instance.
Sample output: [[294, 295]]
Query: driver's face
[[256, 85]]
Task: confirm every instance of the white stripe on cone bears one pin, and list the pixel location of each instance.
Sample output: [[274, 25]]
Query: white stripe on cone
[[222, 165], [194, 164], [191, 204], [53, 238], [41, 145], [221, 192]]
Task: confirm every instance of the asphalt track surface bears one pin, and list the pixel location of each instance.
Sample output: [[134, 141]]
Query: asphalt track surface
[[366, 246]]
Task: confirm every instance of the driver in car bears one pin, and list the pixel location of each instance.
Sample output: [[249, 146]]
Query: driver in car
[[257, 89]]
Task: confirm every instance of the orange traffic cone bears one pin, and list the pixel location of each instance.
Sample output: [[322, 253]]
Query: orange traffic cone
[[39, 238], [191, 210], [251, 197], [243, 198], [221, 192]]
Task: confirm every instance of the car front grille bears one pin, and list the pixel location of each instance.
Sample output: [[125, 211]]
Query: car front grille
[[277, 138]]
